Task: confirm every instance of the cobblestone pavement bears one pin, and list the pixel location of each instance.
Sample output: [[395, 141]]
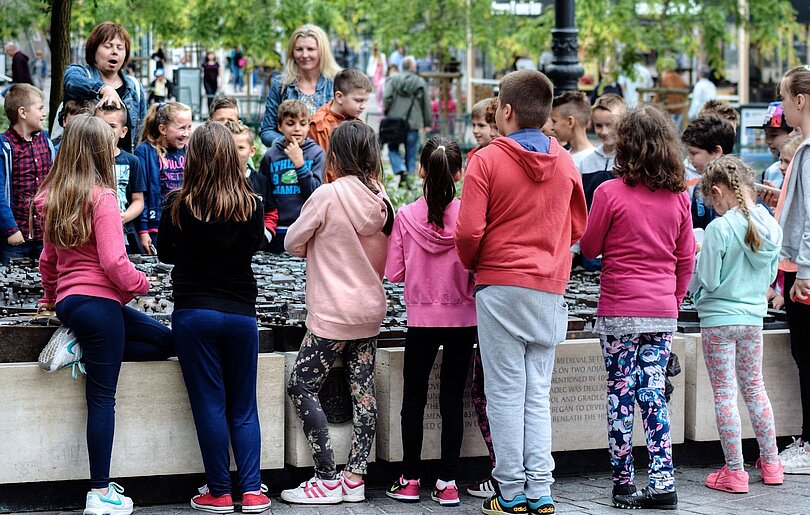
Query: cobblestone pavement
[[586, 494]]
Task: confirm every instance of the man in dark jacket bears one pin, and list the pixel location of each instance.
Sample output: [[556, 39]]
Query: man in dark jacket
[[20, 72], [406, 96]]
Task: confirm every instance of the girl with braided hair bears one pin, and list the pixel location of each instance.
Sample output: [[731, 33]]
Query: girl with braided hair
[[736, 265]]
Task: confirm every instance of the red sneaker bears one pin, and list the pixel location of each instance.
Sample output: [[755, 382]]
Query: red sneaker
[[210, 503], [772, 473], [733, 481], [255, 503]]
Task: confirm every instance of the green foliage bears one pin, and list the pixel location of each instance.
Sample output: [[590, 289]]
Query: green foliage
[[19, 15]]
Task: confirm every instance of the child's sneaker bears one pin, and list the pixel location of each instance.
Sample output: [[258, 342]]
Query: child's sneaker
[[727, 480], [206, 501], [351, 491], [772, 473], [648, 499], [314, 491], [447, 496], [114, 503], [496, 505], [253, 502], [541, 506], [796, 458], [483, 489], [405, 490], [62, 350]]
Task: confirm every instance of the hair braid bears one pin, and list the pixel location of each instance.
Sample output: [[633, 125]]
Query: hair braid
[[752, 237]]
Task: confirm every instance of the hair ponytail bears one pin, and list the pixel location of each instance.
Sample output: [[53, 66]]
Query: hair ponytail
[[440, 161], [735, 175]]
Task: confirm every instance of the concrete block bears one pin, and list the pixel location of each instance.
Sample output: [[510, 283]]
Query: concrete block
[[781, 382], [45, 415], [298, 453]]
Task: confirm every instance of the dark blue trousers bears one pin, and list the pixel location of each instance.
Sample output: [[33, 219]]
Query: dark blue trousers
[[218, 354], [108, 334]]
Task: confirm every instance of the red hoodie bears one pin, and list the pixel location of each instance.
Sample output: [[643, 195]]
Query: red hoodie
[[520, 213]]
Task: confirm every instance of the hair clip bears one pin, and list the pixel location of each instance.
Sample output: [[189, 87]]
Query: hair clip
[[441, 147]]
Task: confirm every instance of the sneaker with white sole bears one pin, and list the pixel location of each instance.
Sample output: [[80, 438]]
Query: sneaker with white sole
[[206, 501], [114, 503], [253, 502], [796, 458], [314, 491], [483, 489], [62, 350], [352, 492]]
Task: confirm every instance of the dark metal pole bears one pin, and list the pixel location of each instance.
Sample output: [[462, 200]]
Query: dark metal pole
[[565, 69]]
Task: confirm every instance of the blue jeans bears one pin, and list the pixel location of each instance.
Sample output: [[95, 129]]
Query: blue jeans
[[397, 165], [109, 333], [29, 249], [218, 354]]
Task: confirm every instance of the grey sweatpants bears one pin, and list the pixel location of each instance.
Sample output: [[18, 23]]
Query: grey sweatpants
[[518, 330]]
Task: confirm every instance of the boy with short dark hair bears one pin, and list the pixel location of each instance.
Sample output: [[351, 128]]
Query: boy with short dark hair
[[294, 166], [70, 109], [483, 123], [777, 131], [352, 90], [570, 118], [129, 176], [519, 251], [26, 155], [224, 108], [706, 138], [243, 137]]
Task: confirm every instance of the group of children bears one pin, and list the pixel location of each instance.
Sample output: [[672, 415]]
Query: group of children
[[491, 265]]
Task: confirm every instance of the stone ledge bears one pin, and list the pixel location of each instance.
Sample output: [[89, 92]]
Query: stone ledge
[[44, 419]]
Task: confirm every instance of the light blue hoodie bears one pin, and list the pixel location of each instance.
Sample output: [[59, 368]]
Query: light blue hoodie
[[734, 279]]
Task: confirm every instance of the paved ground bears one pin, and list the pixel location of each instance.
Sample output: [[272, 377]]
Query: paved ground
[[579, 495]]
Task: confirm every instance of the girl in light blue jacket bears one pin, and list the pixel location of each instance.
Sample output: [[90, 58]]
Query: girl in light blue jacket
[[737, 264]]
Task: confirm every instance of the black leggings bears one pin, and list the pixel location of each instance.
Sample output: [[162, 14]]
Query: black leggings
[[798, 316], [421, 346]]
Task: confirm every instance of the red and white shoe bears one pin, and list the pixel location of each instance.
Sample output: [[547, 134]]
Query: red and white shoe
[[210, 503], [352, 492], [314, 491], [253, 502]]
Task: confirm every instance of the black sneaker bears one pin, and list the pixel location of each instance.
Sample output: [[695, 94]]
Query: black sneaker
[[649, 498], [623, 490], [497, 504], [541, 506]]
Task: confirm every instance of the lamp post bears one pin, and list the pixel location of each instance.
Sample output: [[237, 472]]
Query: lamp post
[[565, 69]]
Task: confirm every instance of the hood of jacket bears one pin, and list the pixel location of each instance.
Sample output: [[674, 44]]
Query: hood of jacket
[[430, 238], [538, 166], [365, 209], [408, 83], [768, 229]]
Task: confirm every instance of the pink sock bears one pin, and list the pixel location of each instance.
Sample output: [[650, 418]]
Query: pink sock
[[350, 482], [255, 492]]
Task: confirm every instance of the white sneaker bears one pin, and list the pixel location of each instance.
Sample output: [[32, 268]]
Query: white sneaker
[[114, 503], [61, 351], [793, 448], [796, 458], [314, 491], [356, 493]]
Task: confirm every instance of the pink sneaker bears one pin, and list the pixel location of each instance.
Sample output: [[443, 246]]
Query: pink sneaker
[[733, 481], [447, 496], [772, 473], [210, 503], [405, 490]]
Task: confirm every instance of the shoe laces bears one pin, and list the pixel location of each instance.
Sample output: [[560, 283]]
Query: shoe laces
[[263, 488], [204, 489], [76, 368]]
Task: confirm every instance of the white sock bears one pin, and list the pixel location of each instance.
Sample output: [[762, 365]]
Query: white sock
[[441, 485]]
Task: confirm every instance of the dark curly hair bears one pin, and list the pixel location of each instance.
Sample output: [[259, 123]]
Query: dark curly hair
[[648, 152]]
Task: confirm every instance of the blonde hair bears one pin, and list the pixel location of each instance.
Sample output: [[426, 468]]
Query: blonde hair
[[85, 160], [328, 67], [214, 187], [20, 95], [240, 129], [797, 80], [739, 178], [160, 113], [791, 145]]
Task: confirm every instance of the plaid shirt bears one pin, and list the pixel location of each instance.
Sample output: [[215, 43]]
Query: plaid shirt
[[31, 162]]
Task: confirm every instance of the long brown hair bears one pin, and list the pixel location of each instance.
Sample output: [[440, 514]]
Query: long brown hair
[[739, 178], [647, 152], [441, 161], [85, 160], [214, 187]]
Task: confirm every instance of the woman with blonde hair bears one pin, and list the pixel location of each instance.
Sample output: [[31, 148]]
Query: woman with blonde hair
[[308, 76]]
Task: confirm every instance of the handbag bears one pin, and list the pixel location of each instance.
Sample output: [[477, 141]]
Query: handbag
[[394, 130]]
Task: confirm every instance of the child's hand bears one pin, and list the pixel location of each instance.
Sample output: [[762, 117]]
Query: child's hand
[[294, 152], [16, 239], [770, 198], [146, 243], [778, 302]]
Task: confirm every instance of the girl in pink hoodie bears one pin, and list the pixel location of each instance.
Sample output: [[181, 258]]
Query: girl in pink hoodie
[[343, 232], [441, 311]]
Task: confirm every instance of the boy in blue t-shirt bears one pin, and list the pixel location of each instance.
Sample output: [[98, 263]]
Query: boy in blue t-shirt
[[128, 176]]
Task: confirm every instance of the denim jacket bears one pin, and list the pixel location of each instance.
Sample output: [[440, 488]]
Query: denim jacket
[[83, 82], [268, 131]]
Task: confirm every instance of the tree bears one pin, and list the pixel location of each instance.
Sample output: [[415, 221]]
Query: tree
[[60, 51]]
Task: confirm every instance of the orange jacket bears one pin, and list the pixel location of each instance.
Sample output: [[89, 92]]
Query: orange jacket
[[321, 125]]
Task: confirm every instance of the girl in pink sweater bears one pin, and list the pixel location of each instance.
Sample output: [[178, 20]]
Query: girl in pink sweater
[[641, 225], [88, 277], [343, 232], [441, 311]]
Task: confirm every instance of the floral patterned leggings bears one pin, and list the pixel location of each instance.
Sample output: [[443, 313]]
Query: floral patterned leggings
[[734, 353], [636, 366], [315, 358]]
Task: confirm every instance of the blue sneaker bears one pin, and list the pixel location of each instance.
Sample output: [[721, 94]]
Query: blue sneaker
[[497, 504], [541, 506]]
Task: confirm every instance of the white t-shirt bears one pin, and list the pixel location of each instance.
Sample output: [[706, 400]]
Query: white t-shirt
[[582, 154]]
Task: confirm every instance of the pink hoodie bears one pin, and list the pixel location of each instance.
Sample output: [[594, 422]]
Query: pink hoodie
[[339, 231], [438, 290]]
